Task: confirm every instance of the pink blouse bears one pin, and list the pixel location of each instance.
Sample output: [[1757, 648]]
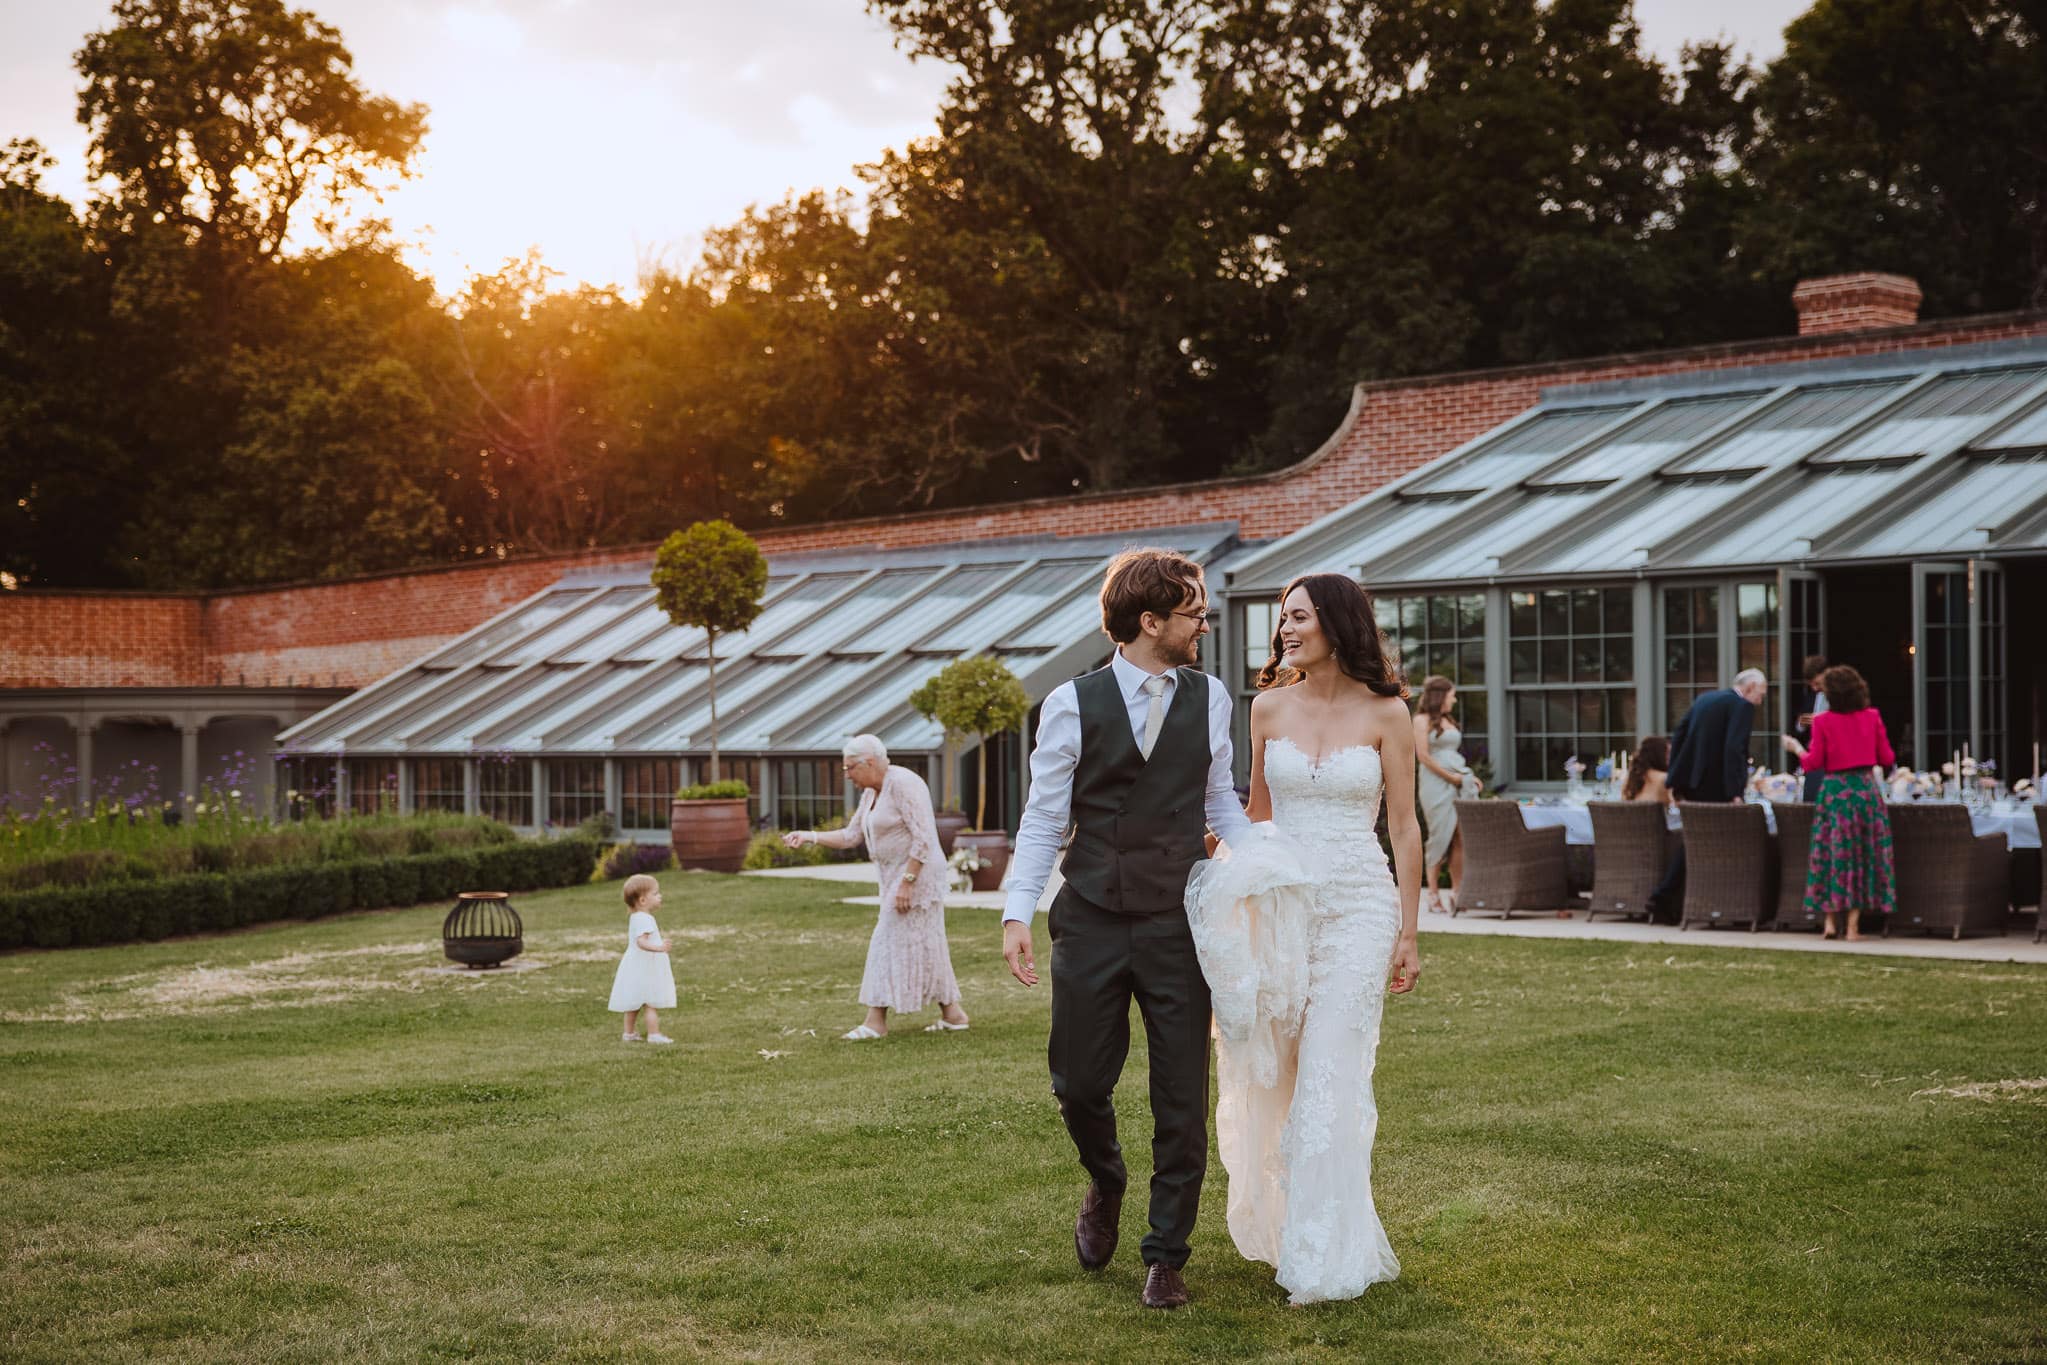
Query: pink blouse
[[1843, 741]]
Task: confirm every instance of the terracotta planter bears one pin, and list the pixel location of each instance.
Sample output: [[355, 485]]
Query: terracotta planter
[[711, 835], [950, 823], [993, 846]]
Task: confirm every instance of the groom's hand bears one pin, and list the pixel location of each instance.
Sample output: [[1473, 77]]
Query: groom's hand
[[1017, 951]]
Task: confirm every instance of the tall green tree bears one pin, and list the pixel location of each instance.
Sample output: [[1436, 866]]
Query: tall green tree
[[1911, 136], [231, 120], [61, 467], [264, 392]]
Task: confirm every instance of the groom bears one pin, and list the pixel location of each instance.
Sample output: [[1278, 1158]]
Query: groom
[[1134, 759]]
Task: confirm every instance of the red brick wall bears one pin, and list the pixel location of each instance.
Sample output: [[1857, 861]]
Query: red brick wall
[[100, 640], [349, 633]]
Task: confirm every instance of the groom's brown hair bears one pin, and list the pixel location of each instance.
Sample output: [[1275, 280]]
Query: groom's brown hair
[[1140, 581]]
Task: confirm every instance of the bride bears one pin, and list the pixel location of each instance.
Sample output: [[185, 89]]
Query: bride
[[1301, 931]]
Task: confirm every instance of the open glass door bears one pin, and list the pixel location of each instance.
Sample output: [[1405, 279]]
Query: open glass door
[[1941, 671], [1802, 628], [1988, 728]]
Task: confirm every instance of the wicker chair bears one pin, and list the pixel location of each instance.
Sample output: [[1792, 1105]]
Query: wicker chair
[[1949, 877], [1794, 852], [1628, 856], [1728, 874], [1508, 866]]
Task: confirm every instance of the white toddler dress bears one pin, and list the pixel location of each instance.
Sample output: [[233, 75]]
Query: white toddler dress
[[643, 978]]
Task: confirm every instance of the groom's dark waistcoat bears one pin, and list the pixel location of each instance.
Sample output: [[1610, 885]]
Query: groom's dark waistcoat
[[1138, 822]]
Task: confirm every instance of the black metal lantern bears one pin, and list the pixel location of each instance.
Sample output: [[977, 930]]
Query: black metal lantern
[[482, 930]]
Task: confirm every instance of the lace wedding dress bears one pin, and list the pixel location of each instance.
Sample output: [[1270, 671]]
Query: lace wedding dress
[[1295, 929]]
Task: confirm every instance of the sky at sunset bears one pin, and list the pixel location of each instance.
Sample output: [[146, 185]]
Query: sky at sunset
[[610, 133]]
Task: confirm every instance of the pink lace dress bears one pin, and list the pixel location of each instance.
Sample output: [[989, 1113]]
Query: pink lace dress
[[909, 965]]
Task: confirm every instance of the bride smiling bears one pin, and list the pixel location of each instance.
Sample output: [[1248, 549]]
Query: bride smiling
[[1302, 930]]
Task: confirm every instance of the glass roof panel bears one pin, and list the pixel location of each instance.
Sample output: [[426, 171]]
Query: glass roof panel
[[848, 621], [1939, 414], [1617, 541], [936, 609], [1960, 514], [532, 687], [1396, 525], [628, 628], [881, 696], [1024, 605], [685, 721], [792, 707], [589, 614], [364, 708], [655, 687], [786, 612], [565, 690], [465, 692], [1476, 552], [1822, 499], [1649, 442], [1516, 454], [1798, 423], [2027, 429], [534, 616]]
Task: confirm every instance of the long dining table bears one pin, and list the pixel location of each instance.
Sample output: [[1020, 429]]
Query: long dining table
[[2018, 827]]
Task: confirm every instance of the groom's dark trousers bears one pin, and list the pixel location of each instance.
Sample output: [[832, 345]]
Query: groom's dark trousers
[[1119, 933], [1101, 961]]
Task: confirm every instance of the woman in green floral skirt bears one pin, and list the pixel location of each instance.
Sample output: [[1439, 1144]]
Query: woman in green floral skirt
[[1849, 869]]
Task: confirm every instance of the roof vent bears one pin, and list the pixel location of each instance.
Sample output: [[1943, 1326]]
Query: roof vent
[[1855, 303]]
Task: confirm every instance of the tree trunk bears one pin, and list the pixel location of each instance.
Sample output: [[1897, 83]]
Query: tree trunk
[[711, 656], [981, 792]]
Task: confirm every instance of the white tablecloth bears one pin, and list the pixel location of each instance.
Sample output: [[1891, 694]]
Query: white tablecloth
[[2017, 827]]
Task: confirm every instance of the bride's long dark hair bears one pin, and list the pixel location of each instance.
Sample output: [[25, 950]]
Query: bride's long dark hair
[[1345, 610]]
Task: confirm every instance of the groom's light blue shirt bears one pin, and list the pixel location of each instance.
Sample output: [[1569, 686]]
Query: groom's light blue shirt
[[1050, 805]]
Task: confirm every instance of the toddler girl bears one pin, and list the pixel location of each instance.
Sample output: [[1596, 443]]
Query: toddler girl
[[645, 981]]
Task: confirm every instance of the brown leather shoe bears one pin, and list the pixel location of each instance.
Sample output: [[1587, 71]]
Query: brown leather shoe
[[1095, 1231], [1163, 1287]]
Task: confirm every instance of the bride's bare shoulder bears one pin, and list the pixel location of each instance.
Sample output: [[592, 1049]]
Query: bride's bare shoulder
[[1271, 704]]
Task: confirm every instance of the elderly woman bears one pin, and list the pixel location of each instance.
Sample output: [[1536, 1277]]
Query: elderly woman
[[908, 963]]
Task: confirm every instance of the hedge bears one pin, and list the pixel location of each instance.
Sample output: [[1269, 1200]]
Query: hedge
[[60, 917]]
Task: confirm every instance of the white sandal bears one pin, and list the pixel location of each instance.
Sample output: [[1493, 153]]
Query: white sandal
[[942, 1027], [860, 1035]]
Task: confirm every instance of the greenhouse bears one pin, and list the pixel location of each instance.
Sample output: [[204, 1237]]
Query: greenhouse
[[584, 698], [1587, 569]]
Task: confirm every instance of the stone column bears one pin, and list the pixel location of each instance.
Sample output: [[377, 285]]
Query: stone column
[[469, 801], [82, 756], [188, 758]]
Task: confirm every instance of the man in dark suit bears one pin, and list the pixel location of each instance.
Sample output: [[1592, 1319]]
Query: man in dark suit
[[1709, 762]]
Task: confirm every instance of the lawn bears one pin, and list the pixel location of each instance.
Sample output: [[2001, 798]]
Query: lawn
[[302, 1143]]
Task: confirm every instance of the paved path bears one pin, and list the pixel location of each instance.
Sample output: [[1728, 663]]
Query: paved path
[[2016, 946]]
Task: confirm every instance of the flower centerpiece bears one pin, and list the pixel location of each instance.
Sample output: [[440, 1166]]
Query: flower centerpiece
[[1574, 771], [965, 861]]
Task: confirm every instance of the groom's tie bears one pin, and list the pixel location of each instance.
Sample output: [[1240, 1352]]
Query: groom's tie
[[1154, 714]]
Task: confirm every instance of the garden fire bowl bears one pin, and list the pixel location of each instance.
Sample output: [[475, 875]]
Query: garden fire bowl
[[482, 930]]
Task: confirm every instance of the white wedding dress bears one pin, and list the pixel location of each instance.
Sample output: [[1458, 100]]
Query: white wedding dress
[[1296, 928]]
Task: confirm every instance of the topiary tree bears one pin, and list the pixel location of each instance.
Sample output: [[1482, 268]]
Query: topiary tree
[[710, 576], [979, 697], [924, 701]]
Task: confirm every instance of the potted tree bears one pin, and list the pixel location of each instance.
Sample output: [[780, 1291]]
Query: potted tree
[[950, 818], [980, 697], [710, 576]]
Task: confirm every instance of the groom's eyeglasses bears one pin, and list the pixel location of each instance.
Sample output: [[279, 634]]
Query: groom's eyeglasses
[[1199, 618]]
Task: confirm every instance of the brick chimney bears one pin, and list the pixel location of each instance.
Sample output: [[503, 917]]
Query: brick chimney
[[1855, 303]]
